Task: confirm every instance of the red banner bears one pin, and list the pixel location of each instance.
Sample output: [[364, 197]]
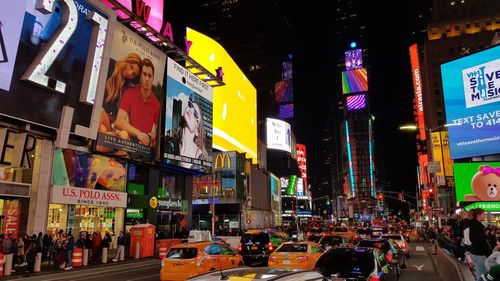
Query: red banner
[[12, 216]]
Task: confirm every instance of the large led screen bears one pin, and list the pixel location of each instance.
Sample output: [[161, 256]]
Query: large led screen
[[235, 104], [477, 181], [353, 59], [279, 135], [356, 102], [283, 91], [128, 126], [188, 120], [11, 21], [58, 60], [286, 111], [354, 81], [471, 88], [152, 10]]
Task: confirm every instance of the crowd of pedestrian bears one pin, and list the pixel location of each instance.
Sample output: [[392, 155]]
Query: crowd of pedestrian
[[57, 248], [467, 238]]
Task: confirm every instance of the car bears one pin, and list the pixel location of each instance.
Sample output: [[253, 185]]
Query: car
[[257, 245], [314, 235], [400, 240], [191, 259], [299, 255], [330, 241], [260, 273], [392, 252], [377, 231], [357, 263], [219, 240], [345, 232]]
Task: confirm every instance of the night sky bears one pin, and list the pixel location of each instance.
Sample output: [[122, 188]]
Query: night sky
[[390, 85]]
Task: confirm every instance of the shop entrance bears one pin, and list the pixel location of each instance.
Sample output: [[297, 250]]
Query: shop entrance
[[168, 223]]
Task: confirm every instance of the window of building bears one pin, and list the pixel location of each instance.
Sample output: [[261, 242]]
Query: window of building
[[488, 23], [476, 24], [457, 28], [137, 179], [467, 26]]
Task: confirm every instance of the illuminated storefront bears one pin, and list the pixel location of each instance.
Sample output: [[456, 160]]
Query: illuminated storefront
[[87, 193]]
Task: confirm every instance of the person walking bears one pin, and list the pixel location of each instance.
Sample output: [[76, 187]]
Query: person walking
[[46, 240], [96, 247], [31, 251], [106, 242], [480, 248]]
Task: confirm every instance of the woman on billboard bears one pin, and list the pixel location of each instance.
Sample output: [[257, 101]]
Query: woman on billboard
[[189, 139], [125, 75]]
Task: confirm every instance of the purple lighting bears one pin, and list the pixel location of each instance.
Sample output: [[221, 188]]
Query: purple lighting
[[356, 102]]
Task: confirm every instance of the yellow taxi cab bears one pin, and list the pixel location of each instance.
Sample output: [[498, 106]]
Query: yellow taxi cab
[[300, 255], [187, 260], [344, 231]]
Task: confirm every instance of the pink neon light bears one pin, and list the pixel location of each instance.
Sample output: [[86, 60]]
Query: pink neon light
[[155, 19]]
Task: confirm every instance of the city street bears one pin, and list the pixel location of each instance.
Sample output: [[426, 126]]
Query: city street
[[420, 267]]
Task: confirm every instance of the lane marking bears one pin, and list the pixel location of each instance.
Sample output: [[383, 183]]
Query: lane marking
[[419, 267], [144, 277], [420, 249], [72, 275]]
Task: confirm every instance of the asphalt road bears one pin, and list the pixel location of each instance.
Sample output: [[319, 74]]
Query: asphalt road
[[420, 267]]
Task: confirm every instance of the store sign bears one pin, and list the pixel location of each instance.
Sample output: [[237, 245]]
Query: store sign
[[87, 196], [12, 217], [15, 148], [222, 161], [487, 206], [279, 135], [477, 181], [169, 204]]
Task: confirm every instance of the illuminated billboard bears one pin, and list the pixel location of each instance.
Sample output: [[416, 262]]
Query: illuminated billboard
[[353, 59], [356, 102], [471, 87], [279, 135], [286, 111], [477, 181], [417, 88], [302, 162], [188, 120], [127, 128], [235, 104], [10, 31], [354, 81], [56, 61], [283, 91]]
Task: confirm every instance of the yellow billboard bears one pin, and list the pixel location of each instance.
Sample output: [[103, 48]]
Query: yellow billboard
[[235, 104]]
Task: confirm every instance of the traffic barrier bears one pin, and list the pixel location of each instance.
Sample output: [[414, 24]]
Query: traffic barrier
[[77, 257], [105, 255], [38, 262], [1, 264], [8, 264], [163, 245], [85, 259]]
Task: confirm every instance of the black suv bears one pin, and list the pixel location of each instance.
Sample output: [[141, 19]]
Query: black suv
[[257, 245]]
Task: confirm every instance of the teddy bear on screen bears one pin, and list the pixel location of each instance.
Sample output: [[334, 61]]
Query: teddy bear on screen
[[485, 184]]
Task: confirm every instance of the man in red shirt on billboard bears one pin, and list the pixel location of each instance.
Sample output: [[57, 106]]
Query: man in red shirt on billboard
[[139, 109]]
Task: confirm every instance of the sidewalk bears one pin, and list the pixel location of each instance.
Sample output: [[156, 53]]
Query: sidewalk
[[47, 269]]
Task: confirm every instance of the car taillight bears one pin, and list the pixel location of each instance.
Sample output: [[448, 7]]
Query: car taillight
[[374, 277], [309, 234], [302, 259], [270, 246], [272, 258], [389, 257], [240, 247]]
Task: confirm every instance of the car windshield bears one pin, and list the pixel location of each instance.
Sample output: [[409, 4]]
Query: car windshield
[[382, 245], [357, 262], [293, 248], [255, 238], [182, 253]]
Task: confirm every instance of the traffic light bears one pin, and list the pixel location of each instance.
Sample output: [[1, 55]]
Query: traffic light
[[328, 202]]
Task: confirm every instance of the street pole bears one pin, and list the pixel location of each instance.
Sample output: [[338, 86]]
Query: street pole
[[213, 202]]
